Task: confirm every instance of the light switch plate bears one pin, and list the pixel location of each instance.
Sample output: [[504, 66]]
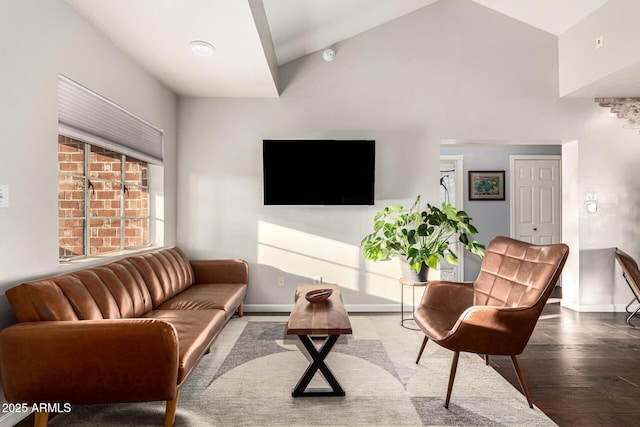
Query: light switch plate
[[4, 196], [599, 42]]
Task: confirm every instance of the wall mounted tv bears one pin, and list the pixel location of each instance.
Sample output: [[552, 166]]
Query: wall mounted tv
[[318, 172]]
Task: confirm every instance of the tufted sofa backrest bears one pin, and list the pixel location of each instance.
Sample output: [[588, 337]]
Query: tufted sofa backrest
[[129, 287], [518, 274]]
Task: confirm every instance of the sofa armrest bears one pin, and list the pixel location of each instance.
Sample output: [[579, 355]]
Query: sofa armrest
[[89, 361], [221, 271]]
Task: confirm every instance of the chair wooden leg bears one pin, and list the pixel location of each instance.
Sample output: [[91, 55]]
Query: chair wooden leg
[[486, 359], [452, 377], [41, 419], [521, 379], [424, 343], [170, 412], [240, 310]]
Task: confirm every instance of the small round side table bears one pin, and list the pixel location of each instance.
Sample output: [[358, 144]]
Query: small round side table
[[413, 285]]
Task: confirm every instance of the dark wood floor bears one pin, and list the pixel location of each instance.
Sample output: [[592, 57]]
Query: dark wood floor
[[581, 368]]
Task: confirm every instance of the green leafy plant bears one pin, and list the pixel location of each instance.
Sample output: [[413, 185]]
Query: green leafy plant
[[420, 236]]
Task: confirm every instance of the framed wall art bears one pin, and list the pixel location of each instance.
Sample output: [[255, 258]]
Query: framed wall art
[[486, 185]]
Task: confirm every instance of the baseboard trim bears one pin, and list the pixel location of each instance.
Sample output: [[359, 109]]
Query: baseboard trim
[[354, 308], [594, 308]]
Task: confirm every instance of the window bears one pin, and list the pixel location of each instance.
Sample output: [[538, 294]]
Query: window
[[103, 200], [107, 157]]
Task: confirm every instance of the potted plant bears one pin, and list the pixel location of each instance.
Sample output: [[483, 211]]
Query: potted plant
[[421, 237]]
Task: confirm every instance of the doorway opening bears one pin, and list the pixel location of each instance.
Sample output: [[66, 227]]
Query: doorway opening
[[491, 217]]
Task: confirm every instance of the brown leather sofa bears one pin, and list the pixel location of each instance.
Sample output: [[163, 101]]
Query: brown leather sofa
[[128, 331]]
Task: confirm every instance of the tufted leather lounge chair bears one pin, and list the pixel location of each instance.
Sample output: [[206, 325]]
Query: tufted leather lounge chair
[[631, 274], [495, 314]]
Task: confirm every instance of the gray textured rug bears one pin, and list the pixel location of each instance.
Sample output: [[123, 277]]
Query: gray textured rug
[[247, 379]]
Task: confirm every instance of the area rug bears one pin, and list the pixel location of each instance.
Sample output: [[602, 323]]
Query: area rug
[[247, 378]]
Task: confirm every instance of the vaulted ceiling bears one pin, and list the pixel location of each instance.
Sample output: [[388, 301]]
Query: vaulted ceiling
[[253, 37]]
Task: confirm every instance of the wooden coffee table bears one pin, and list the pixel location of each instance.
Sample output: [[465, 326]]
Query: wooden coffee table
[[328, 318]]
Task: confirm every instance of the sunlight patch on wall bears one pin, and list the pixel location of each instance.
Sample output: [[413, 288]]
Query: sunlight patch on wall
[[308, 244], [308, 267], [308, 255], [387, 289], [383, 280]]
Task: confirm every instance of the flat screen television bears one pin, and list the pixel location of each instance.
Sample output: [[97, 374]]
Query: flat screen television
[[318, 172]]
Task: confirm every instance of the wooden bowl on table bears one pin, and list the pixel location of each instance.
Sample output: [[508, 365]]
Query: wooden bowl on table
[[318, 295]]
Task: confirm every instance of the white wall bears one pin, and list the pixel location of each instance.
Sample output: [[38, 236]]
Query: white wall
[[581, 64], [607, 164], [572, 207], [39, 40], [451, 71]]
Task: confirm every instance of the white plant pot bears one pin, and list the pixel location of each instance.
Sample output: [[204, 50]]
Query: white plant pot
[[412, 275]]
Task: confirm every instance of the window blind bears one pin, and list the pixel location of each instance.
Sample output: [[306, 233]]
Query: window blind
[[87, 116]]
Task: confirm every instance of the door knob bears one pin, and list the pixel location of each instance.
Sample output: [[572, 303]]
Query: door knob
[[535, 229]]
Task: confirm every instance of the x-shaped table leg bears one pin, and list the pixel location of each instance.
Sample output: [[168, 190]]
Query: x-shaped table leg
[[318, 357]]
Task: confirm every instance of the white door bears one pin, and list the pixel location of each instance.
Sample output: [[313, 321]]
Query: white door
[[451, 192], [536, 192]]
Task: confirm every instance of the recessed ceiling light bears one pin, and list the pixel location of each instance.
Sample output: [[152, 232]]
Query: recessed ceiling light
[[202, 48]]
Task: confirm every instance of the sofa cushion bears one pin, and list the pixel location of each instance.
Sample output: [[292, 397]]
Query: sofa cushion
[[221, 296], [166, 273], [40, 300], [113, 291], [196, 330], [127, 288]]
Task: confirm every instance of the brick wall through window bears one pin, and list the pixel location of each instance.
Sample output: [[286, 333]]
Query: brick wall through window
[[105, 191]]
